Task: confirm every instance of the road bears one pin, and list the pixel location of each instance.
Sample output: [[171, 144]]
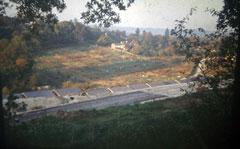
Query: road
[[120, 99]]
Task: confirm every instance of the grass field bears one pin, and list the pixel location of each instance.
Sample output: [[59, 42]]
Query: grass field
[[194, 121], [91, 67]]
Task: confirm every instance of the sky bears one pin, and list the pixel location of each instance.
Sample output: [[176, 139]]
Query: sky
[[154, 13]]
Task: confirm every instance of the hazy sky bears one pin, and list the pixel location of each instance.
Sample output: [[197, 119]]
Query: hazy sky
[[154, 13]]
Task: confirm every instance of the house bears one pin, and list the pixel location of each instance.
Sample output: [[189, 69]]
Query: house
[[118, 46]]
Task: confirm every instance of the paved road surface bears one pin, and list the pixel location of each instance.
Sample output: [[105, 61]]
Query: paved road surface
[[120, 99]]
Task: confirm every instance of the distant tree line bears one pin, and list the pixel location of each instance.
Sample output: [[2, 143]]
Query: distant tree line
[[151, 45]]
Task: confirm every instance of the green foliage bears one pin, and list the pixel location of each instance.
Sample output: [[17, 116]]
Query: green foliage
[[104, 40], [228, 16], [212, 54], [7, 27], [217, 56], [146, 44], [33, 11], [137, 49], [117, 36], [16, 62], [103, 12], [169, 51], [11, 107], [137, 32], [152, 45], [166, 38], [160, 124], [67, 33], [228, 19], [3, 6], [212, 117]]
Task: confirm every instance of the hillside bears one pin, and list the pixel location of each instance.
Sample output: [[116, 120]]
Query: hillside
[[90, 67]]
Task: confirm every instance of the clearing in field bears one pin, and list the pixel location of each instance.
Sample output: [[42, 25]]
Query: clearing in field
[[98, 67]]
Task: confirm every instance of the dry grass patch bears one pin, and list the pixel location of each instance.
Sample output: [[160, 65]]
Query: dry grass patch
[[164, 74], [101, 67]]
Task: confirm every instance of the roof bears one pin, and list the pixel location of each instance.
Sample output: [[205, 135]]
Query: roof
[[98, 91], [5, 96], [139, 86], [43, 93], [122, 88], [69, 91]]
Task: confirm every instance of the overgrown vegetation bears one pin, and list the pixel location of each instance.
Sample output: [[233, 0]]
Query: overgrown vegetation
[[85, 65], [184, 122]]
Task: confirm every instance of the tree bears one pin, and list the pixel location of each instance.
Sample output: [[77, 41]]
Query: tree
[[137, 35], [104, 40], [30, 12], [103, 12], [167, 33], [147, 44], [66, 32], [16, 64], [229, 17], [219, 52], [3, 6], [143, 35], [165, 39], [79, 31], [137, 49], [213, 52], [137, 32], [16, 61]]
